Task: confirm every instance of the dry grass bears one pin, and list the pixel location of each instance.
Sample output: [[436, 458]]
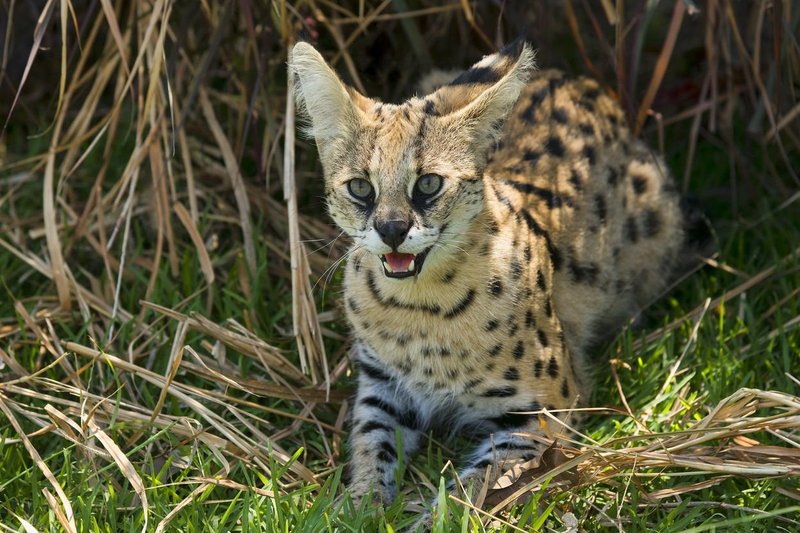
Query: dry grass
[[142, 135]]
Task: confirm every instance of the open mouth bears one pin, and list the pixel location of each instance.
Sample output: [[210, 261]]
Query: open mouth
[[397, 265]]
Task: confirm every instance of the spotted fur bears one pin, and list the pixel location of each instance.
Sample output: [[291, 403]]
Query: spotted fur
[[553, 225]]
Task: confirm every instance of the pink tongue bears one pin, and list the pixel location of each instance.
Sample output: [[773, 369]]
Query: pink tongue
[[399, 262]]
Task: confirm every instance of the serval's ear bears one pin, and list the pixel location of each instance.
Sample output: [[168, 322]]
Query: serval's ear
[[481, 98], [334, 110]]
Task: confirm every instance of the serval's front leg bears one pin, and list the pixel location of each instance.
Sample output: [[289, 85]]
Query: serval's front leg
[[381, 412]]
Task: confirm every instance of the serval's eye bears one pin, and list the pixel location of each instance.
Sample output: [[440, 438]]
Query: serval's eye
[[360, 188], [428, 185]]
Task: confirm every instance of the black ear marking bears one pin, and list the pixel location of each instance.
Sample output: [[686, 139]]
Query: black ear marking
[[478, 75]]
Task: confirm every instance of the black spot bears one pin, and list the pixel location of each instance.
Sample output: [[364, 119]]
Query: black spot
[[552, 367], [554, 146], [565, 388], [477, 75], [512, 329], [517, 417], [374, 425], [403, 417], [586, 128], [542, 338], [402, 340], [631, 232], [495, 287], [526, 253], [575, 180], [471, 384], [482, 464], [540, 282], [444, 351], [584, 273], [560, 115], [373, 371], [552, 199], [591, 94], [530, 321], [590, 154], [528, 293], [448, 277], [500, 392], [430, 108], [351, 303], [531, 156], [393, 302], [491, 325], [555, 254], [515, 270], [428, 371], [555, 83], [529, 114], [537, 368], [639, 184], [613, 176], [494, 350], [548, 308], [388, 449], [538, 97], [519, 350], [462, 305], [494, 228], [651, 223], [600, 208], [385, 457], [513, 445], [511, 374], [427, 351]]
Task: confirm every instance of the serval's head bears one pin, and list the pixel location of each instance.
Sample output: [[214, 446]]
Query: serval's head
[[406, 181]]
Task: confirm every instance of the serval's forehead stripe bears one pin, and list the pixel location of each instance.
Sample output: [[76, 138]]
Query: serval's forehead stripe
[[398, 130]]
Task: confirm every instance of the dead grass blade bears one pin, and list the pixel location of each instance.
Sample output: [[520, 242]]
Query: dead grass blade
[[734, 418], [661, 65], [65, 508], [202, 254], [125, 466], [192, 496], [41, 27], [235, 176], [261, 449]]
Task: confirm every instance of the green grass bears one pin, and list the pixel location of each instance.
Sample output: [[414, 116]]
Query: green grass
[[745, 342]]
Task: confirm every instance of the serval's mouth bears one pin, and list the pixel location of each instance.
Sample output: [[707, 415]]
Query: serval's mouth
[[399, 265]]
